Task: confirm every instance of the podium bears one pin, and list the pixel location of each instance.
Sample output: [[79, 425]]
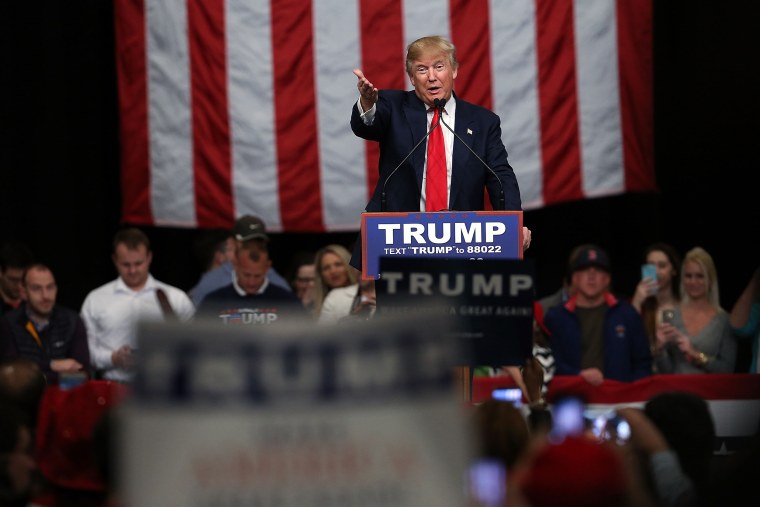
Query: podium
[[419, 256], [473, 235]]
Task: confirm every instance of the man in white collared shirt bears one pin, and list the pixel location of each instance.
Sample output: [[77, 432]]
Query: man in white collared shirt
[[251, 298], [112, 311]]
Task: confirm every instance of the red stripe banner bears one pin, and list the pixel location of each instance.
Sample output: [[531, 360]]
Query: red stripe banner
[[239, 107]]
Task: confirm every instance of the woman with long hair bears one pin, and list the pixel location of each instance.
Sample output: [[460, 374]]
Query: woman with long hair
[[653, 296], [333, 271], [699, 339]]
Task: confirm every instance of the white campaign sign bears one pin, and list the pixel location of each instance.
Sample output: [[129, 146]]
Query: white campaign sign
[[390, 442]]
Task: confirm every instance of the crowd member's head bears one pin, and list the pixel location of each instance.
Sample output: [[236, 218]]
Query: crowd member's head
[[17, 464], [68, 453], [576, 471], [252, 263], [213, 248], [685, 421], [22, 384], [302, 277], [699, 278], [668, 263], [132, 257], [39, 290], [431, 63], [14, 259], [249, 227], [501, 432], [333, 271], [591, 274]]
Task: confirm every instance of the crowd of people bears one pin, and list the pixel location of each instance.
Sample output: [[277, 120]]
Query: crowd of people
[[63, 370], [673, 323]]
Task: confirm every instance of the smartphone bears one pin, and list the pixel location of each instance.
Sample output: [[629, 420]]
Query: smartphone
[[668, 316], [609, 426], [487, 483], [567, 417], [71, 380], [510, 394], [649, 271]]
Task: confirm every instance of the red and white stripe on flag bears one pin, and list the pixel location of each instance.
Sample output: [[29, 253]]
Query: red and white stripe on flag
[[231, 107]]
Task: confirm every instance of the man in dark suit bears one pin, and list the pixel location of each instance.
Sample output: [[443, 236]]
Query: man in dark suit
[[398, 120]]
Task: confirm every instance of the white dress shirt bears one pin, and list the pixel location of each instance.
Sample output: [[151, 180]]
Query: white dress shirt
[[111, 314]]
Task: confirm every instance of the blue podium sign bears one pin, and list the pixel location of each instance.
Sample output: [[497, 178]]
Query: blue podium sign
[[444, 235], [489, 303]]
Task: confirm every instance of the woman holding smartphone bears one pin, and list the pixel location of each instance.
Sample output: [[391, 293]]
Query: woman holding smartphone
[[658, 289], [699, 339]]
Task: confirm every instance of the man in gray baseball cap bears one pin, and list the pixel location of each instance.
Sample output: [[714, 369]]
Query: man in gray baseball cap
[[249, 227], [246, 228]]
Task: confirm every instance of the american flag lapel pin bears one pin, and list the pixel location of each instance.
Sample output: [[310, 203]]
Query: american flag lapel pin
[[469, 131]]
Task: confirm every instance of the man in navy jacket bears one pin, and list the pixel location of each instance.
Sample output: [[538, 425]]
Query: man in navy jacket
[[594, 334], [41, 330]]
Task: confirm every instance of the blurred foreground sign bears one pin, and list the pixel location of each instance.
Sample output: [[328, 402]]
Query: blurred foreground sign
[[355, 415]]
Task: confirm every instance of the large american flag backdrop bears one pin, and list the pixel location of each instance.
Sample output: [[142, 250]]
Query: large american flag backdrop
[[243, 106]]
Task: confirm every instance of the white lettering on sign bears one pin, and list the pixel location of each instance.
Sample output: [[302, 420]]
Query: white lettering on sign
[[442, 233], [479, 284]]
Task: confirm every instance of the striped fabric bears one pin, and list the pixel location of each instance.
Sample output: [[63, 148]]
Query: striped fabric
[[242, 106]]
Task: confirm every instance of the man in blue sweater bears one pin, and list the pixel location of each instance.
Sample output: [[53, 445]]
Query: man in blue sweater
[[251, 298], [594, 334]]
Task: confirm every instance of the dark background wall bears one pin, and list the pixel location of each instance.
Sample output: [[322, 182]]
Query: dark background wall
[[59, 188]]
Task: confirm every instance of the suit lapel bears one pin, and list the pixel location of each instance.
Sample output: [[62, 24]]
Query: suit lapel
[[416, 117], [463, 126]]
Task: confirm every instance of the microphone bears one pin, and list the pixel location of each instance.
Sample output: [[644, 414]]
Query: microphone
[[438, 104], [501, 185]]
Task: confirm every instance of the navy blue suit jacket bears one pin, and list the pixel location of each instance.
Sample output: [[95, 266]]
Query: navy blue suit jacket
[[401, 121]]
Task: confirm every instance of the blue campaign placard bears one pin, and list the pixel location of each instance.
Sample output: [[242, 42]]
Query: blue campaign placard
[[489, 303], [473, 235]]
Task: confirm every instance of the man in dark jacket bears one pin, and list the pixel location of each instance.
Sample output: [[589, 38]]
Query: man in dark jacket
[[39, 329], [594, 334]]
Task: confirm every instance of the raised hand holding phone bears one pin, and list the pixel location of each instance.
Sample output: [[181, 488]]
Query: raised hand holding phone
[[649, 276]]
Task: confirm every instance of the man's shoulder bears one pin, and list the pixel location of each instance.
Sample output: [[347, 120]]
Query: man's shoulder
[[399, 98], [470, 110], [219, 274], [221, 293], [102, 290], [13, 315], [279, 292], [171, 289], [64, 312]]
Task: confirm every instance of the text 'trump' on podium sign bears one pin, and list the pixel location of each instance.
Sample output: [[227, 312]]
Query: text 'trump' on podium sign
[[489, 303], [442, 235]]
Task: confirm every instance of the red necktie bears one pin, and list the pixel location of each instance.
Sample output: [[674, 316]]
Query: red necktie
[[436, 191]]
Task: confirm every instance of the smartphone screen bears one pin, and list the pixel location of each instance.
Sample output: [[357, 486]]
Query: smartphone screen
[[567, 417], [649, 271], [487, 483], [510, 394], [609, 426]]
